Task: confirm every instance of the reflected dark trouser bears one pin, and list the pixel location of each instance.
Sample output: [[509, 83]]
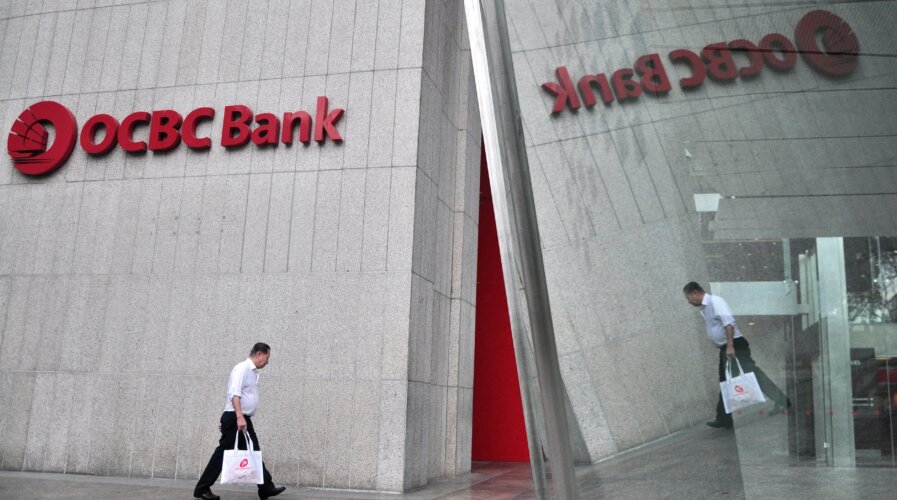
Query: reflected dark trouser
[[228, 435], [743, 353]]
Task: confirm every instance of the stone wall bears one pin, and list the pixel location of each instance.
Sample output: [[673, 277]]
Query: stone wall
[[131, 284]]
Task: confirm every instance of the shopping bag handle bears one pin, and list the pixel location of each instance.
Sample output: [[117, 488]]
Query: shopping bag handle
[[729, 368], [249, 444]]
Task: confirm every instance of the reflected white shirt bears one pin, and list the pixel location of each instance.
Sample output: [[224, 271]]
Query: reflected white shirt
[[717, 315], [243, 382]]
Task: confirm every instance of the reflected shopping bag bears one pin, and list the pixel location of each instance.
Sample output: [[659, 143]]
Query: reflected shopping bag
[[242, 466], [741, 391]]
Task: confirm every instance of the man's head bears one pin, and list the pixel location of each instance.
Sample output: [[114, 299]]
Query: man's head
[[260, 354], [694, 294]]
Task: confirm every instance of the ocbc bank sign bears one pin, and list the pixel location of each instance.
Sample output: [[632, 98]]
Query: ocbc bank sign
[[722, 62], [32, 155]]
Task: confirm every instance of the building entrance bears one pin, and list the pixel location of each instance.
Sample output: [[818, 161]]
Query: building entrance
[[499, 430], [824, 313]]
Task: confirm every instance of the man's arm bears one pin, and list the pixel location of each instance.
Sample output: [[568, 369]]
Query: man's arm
[[730, 343], [241, 420]]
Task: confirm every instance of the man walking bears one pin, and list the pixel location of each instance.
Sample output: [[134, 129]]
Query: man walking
[[725, 335], [242, 400]]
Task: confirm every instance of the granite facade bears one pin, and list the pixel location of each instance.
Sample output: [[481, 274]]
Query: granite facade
[[131, 284]]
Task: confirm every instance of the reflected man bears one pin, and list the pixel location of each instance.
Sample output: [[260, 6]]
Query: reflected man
[[725, 335]]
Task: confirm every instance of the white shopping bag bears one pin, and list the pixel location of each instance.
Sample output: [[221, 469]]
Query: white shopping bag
[[242, 466], [741, 391]]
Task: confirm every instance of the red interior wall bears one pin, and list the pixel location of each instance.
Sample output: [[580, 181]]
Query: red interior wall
[[499, 431]]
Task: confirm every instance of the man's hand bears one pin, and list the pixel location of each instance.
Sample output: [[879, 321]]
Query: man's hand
[[730, 341], [238, 408]]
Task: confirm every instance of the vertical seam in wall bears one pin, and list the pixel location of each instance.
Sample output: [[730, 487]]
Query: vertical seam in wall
[[610, 201], [364, 198], [68, 434], [164, 28], [127, 161], [99, 88], [623, 171], [242, 45], [64, 309], [261, 56], [43, 91], [156, 232], [286, 35], [666, 161], [293, 172], [12, 77], [392, 149], [363, 210], [199, 230], [221, 50], [202, 42], [643, 161], [9, 287], [567, 165], [68, 51], [314, 218], [177, 231], [117, 91], [307, 36], [267, 223], [30, 408], [10, 33], [330, 39], [118, 76], [245, 216], [133, 422], [339, 217], [339, 207], [367, 156], [222, 215], [177, 69]]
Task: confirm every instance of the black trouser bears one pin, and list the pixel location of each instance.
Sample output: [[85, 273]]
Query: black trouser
[[228, 435], [743, 353]]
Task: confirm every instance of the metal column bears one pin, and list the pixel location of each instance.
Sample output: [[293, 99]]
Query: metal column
[[520, 245]]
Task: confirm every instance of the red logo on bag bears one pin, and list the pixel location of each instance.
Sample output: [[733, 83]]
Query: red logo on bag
[[739, 389], [244, 463]]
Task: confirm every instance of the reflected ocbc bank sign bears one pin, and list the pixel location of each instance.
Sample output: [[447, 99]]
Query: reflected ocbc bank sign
[[32, 155], [837, 56]]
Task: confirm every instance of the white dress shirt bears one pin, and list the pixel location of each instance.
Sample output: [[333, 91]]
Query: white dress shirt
[[717, 316], [243, 382]]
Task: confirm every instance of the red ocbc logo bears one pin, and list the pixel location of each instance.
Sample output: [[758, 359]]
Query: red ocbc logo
[[27, 142], [28, 138], [840, 45], [838, 57]]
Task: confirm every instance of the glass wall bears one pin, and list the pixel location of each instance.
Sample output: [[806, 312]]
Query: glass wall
[[746, 146]]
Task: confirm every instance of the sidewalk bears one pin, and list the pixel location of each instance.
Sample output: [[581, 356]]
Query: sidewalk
[[697, 463], [487, 481]]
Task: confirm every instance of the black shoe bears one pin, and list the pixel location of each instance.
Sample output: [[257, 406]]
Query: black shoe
[[273, 492], [779, 407], [207, 495], [716, 424]]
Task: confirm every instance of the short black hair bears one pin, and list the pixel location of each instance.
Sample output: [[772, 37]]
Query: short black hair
[[260, 347], [692, 287]]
